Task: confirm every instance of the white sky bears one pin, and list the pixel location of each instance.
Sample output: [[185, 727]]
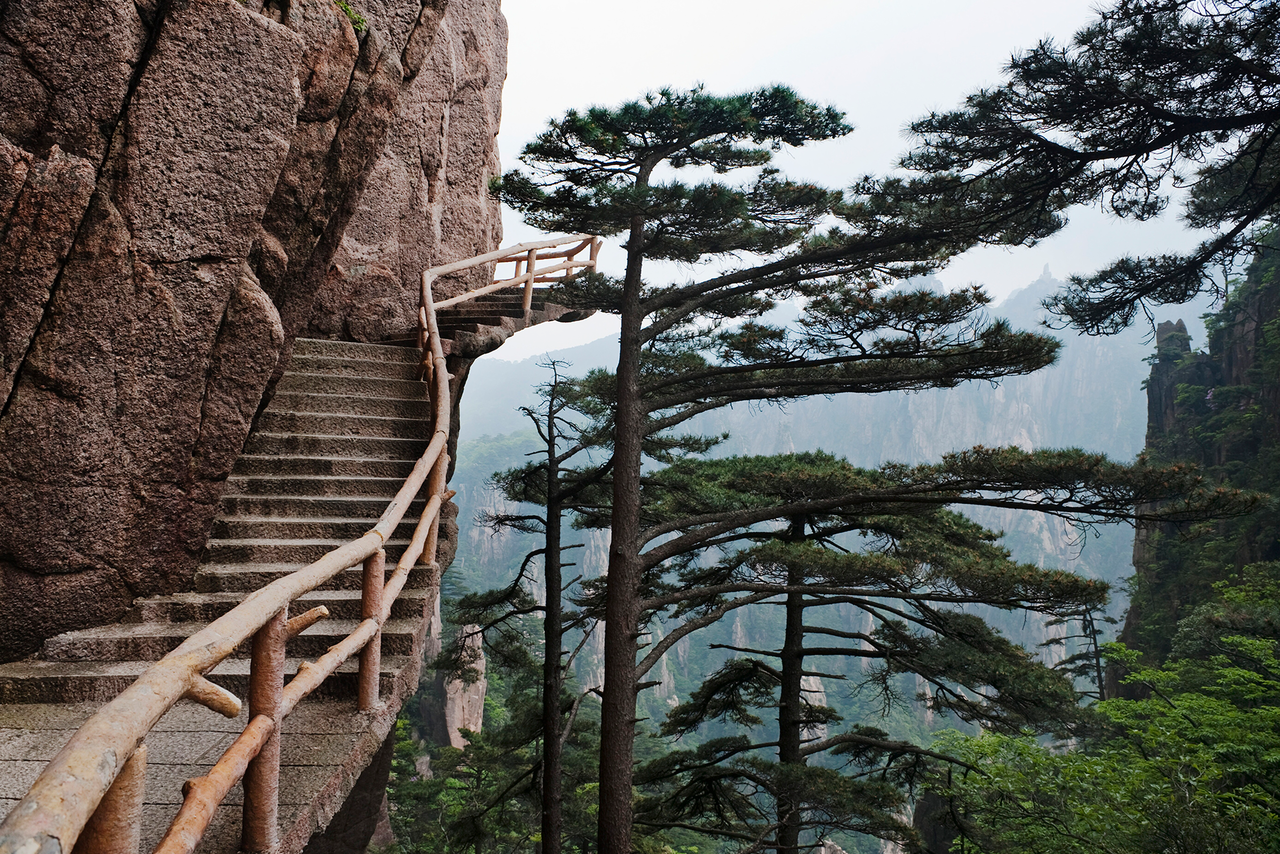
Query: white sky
[[883, 63]]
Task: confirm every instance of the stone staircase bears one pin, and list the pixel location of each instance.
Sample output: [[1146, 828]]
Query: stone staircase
[[312, 477], [343, 430], [480, 326]]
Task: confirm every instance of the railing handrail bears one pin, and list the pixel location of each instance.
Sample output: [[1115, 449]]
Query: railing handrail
[[527, 254], [65, 796]]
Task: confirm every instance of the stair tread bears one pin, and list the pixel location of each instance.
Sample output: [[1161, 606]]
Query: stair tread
[[321, 457], [297, 393], [337, 477], [327, 519], [36, 668], [318, 478], [195, 598], [336, 415], [303, 541], [270, 434], [327, 626]]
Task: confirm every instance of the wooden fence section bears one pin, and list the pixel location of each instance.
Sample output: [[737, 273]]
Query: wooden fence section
[[92, 791]]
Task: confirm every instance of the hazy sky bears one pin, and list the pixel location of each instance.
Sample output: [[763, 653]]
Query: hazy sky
[[882, 63]]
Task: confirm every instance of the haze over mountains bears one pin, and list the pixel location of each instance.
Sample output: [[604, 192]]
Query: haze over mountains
[[1091, 398]]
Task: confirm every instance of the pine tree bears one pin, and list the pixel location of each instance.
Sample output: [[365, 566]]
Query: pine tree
[[549, 483], [499, 617], [917, 571], [690, 348], [1154, 93]]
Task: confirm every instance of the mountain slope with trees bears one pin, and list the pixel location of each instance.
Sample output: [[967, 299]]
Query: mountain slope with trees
[[1103, 119]]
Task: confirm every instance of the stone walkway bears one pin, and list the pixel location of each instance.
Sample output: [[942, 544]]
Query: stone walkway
[[346, 424], [326, 746]]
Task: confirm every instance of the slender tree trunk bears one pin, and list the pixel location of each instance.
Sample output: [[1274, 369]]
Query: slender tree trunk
[[791, 714], [553, 631], [622, 603]]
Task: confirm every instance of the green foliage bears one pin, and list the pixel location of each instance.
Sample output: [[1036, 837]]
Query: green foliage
[[914, 569], [696, 347], [358, 23], [485, 797], [1150, 93], [1228, 422], [1152, 89], [590, 171], [1193, 767]]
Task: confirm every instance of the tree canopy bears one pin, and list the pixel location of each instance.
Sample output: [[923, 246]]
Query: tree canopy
[[688, 348], [1191, 767], [1153, 94]]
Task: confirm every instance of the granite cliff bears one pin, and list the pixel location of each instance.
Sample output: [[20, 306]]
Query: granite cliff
[[185, 187], [1217, 407]]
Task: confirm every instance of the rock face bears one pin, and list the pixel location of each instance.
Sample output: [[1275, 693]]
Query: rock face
[[185, 186], [1218, 408]]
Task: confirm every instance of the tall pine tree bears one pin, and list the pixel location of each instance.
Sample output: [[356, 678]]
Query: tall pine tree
[[690, 348]]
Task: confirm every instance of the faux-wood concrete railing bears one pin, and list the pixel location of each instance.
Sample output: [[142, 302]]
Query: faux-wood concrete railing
[[527, 273], [92, 791]]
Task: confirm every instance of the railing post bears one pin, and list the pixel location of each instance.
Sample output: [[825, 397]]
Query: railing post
[[262, 778], [437, 481], [115, 826], [375, 566], [528, 281]]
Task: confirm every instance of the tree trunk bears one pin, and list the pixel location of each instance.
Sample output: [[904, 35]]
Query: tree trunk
[[553, 630], [791, 714], [622, 602]]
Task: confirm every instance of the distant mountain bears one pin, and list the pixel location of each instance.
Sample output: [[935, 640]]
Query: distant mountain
[[1091, 398]]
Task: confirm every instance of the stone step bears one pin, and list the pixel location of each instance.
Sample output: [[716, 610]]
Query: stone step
[[320, 466], [34, 681], [341, 424], [355, 447], [299, 552], [355, 386], [473, 319], [240, 486], [242, 579], [416, 408], [353, 367], [509, 295], [354, 350], [453, 330], [512, 309], [284, 528], [412, 603], [153, 641], [302, 507]]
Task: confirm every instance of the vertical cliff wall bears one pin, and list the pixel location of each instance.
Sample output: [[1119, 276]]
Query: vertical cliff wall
[[1220, 409], [185, 186]]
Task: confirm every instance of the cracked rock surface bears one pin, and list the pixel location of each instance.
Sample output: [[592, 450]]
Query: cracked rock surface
[[185, 187]]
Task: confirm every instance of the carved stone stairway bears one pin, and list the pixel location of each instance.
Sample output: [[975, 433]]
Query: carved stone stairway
[[344, 428], [342, 432], [480, 326]]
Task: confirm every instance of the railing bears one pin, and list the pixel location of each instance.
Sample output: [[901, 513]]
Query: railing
[[92, 791], [525, 257]]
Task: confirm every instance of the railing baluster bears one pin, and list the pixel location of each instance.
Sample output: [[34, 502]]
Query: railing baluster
[[115, 826], [374, 578], [528, 281], [436, 484], [262, 778]]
